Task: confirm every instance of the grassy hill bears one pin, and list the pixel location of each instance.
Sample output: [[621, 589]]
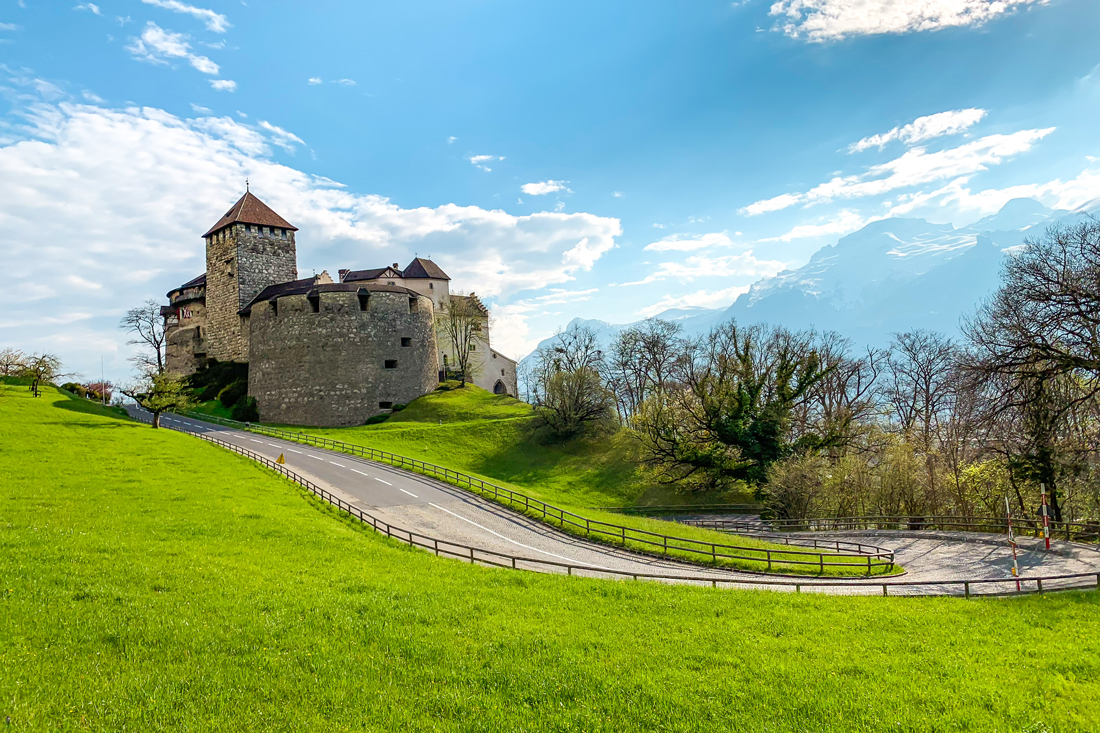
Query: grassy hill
[[154, 582], [496, 436]]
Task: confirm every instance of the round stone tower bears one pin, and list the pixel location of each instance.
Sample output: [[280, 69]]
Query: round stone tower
[[334, 354]]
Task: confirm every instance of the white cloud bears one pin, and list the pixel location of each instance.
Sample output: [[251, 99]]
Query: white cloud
[[827, 20], [345, 82], [223, 85], [91, 7], [157, 45], [451, 139], [689, 242], [314, 80], [617, 194], [479, 161], [544, 187], [281, 137], [214, 22], [104, 190], [511, 334], [201, 110], [923, 128], [698, 299], [842, 222], [92, 97], [915, 167], [1057, 194], [8, 27], [744, 265]]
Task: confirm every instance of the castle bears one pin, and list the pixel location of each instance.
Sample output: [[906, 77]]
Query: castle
[[320, 352]]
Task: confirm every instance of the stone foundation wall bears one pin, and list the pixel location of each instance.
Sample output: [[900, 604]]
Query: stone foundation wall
[[329, 368]]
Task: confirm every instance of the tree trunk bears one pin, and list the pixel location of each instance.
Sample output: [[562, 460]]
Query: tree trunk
[[156, 419]]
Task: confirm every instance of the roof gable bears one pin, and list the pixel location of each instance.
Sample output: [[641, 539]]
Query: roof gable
[[420, 267], [250, 210], [374, 274]]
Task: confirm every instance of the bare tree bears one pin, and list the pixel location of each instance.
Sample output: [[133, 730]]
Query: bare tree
[[159, 392], [41, 369], [12, 362], [568, 391], [1035, 351], [147, 324], [462, 326], [641, 360]]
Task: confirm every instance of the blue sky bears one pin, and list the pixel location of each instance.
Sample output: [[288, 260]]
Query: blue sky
[[604, 160]]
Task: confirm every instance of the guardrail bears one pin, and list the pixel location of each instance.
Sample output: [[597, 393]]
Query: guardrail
[[661, 509], [839, 552], [1070, 531], [476, 555]]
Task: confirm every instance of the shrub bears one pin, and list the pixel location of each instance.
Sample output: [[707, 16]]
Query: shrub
[[207, 383], [232, 393], [398, 407], [245, 409], [377, 419], [75, 388]]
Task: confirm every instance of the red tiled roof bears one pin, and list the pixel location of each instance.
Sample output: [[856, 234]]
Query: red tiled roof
[[250, 210]]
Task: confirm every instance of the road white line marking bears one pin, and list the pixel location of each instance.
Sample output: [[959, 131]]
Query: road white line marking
[[341, 465], [314, 457], [519, 544], [408, 492], [359, 472], [255, 441], [387, 483], [294, 451], [273, 445]]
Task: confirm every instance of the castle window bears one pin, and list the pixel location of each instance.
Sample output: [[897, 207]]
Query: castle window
[[391, 363], [406, 341], [431, 286], [274, 306], [412, 305], [502, 372], [385, 405], [314, 302], [364, 298]]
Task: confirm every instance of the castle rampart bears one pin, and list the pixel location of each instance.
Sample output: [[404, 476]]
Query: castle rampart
[[340, 353]]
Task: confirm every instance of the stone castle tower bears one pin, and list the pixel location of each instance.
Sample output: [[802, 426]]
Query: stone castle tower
[[250, 248]]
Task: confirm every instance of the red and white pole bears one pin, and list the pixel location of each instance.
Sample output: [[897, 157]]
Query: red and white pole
[[1012, 541], [1044, 507]]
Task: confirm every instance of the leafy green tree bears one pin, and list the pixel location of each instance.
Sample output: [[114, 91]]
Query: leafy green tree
[[160, 392], [725, 415]]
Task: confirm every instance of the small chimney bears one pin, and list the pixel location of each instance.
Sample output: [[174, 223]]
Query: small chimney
[[395, 266]]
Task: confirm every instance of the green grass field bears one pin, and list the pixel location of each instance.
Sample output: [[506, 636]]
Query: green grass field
[[154, 582], [496, 438]]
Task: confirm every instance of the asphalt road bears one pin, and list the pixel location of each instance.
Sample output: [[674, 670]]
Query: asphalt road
[[447, 513]]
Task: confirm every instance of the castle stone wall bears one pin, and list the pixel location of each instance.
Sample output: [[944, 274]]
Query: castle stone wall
[[239, 264], [185, 350], [329, 368]]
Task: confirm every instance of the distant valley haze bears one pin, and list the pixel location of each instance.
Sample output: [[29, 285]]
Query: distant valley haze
[[861, 168]]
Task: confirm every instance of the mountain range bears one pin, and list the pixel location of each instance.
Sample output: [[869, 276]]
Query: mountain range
[[891, 276]]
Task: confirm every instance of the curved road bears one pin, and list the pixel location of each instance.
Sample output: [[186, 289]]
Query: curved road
[[448, 513]]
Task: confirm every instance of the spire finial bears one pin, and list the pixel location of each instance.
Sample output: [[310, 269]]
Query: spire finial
[[246, 185]]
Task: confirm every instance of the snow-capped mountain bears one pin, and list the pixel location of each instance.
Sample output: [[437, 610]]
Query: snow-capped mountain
[[896, 275], [891, 276]]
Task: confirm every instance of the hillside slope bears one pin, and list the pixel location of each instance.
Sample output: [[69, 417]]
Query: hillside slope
[[154, 582]]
